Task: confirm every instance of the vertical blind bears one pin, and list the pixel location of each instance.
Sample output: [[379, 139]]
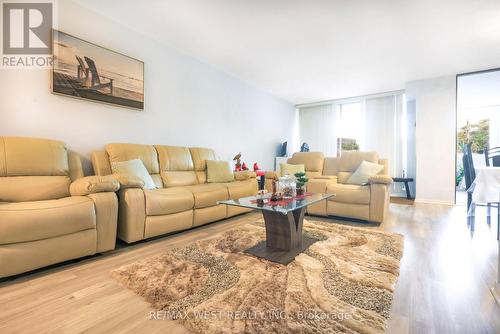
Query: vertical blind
[[379, 121], [318, 128], [384, 129]]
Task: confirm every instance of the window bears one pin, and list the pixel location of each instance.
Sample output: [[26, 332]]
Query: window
[[351, 133], [369, 123]]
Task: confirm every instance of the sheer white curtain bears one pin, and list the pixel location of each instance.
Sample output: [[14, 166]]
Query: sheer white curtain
[[376, 122], [318, 128], [385, 131]]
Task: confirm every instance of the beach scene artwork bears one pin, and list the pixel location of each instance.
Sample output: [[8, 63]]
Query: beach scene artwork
[[85, 70]]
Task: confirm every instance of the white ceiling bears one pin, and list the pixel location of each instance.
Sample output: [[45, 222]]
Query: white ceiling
[[313, 50]]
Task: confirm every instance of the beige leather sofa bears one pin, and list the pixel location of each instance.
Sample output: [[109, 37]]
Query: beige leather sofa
[[329, 175], [183, 199], [49, 212]]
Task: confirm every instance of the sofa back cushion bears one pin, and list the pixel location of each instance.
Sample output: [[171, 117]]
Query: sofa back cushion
[[363, 173], [312, 161], [350, 160], [124, 152], [118, 152], [289, 169], [219, 171], [33, 169], [342, 177], [200, 156], [33, 157], [135, 168], [331, 166], [176, 166], [101, 163]]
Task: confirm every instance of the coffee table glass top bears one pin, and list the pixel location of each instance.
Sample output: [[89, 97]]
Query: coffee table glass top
[[283, 206]]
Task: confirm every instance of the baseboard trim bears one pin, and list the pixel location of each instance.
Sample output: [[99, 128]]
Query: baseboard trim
[[433, 201]]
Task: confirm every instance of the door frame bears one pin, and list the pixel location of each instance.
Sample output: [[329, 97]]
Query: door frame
[[456, 117]]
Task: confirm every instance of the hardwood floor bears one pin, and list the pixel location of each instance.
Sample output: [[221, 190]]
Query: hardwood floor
[[446, 272]]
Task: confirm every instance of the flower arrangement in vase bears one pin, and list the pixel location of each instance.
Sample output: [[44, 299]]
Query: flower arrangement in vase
[[301, 181]]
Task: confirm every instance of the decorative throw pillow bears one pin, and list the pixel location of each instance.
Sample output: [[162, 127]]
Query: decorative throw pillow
[[136, 168], [291, 169], [364, 172], [219, 171]]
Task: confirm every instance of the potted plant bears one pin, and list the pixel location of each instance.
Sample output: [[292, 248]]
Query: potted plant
[[301, 183]]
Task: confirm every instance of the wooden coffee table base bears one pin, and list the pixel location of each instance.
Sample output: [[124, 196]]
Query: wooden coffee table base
[[284, 239]]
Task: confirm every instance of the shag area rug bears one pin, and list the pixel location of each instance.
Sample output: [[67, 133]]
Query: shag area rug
[[342, 283]]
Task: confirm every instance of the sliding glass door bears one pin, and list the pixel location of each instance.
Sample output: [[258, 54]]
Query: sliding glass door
[[478, 121]]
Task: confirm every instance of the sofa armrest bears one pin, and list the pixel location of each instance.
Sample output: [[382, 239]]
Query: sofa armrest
[[380, 179], [244, 175], [92, 185], [106, 210], [128, 181], [100, 163], [131, 214], [379, 201]]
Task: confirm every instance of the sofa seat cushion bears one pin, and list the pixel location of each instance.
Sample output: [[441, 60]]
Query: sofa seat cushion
[[29, 221], [241, 189], [167, 201], [349, 193], [207, 194]]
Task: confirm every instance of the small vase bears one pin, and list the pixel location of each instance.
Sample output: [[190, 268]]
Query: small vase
[[300, 191]]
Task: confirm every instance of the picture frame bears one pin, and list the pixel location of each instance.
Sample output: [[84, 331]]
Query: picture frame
[[88, 71]]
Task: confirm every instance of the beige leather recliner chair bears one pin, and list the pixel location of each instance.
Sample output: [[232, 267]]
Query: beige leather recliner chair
[[49, 212], [183, 199], [329, 175]]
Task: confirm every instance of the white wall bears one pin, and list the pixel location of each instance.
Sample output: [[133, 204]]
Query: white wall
[[435, 101], [187, 102]]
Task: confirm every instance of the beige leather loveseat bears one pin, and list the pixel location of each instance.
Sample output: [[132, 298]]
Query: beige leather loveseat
[[183, 199], [329, 175], [49, 212]]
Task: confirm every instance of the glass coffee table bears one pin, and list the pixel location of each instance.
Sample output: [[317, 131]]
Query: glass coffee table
[[283, 220]]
